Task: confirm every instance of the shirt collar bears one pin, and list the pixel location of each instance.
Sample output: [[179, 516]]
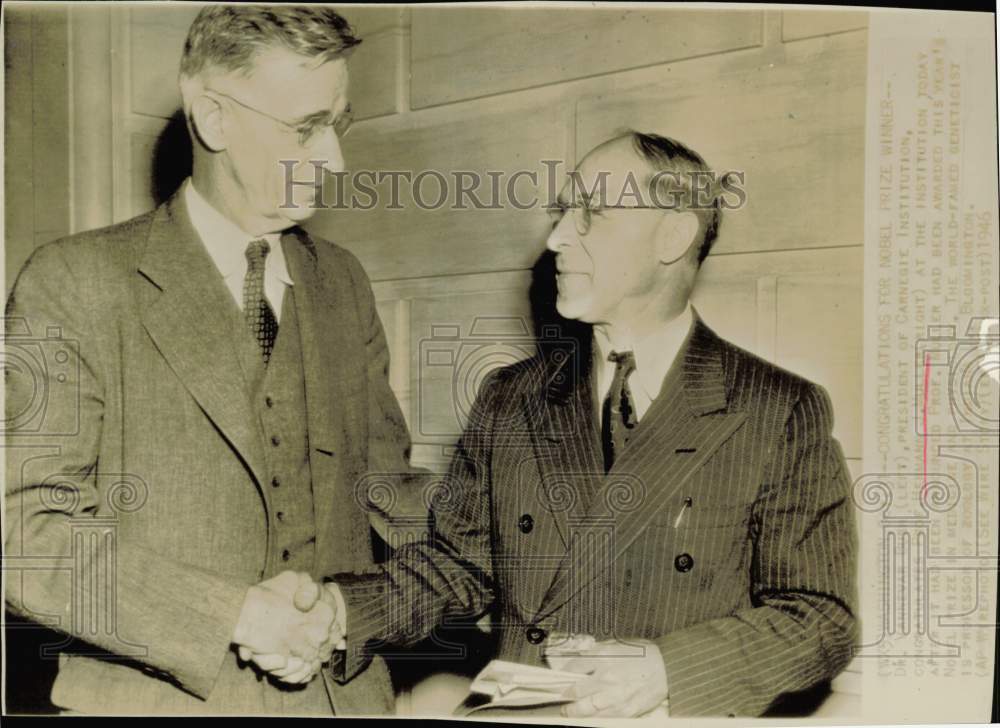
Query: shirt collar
[[655, 353], [226, 241]]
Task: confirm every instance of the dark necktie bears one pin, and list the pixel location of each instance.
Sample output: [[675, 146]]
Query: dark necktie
[[259, 315], [618, 413]]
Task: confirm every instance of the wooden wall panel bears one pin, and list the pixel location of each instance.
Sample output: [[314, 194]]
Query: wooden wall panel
[[50, 119], [412, 242], [157, 32], [93, 115], [140, 172], [796, 129], [462, 53], [38, 190], [456, 340], [819, 325], [729, 306], [373, 70], [18, 163], [376, 64], [811, 324], [798, 24]]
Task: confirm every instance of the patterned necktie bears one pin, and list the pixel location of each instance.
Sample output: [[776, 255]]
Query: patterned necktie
[[618, 413], [259, 315]]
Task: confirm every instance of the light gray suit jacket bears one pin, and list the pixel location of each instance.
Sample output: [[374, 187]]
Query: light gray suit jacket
[[137, 501]]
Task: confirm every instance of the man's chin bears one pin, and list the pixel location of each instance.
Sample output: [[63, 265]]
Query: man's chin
[[569, 308], [299, 213]]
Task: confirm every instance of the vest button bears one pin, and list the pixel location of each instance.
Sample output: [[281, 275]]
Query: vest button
[[268, 401], [526, 523], [286, 555], [536, 635], [275, 440], [275, 482], [683, 563]]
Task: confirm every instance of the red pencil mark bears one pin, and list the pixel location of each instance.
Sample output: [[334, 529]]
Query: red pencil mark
[[927, 379]]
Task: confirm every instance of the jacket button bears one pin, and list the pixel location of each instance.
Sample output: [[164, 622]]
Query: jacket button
[[683, 563], [269, 402], [526, 523], [275, 482], [536, 635], [286, 555], [275, 440], [280, 515]]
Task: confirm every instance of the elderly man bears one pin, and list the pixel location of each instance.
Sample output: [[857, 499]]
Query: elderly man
[[674, 503], [226, 377]]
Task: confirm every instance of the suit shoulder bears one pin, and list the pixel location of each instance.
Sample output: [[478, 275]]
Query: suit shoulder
[[94, 257], [105, 246], [747, 371], [521, 376], [335, 257]]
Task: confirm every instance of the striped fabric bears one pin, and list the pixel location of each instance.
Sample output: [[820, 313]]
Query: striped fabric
[[724, 533]]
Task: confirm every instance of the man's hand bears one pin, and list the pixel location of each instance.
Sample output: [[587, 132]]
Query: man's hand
[[285, 627], [625, 680]]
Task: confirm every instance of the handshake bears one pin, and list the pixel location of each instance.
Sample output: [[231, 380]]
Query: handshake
[[289, 626]]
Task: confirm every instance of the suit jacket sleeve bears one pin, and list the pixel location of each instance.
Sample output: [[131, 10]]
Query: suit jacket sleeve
[[445, 574], [178, 616], [802, 626]]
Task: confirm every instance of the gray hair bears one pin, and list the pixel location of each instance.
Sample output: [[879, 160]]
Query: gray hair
[[228, 37], [681, 166]]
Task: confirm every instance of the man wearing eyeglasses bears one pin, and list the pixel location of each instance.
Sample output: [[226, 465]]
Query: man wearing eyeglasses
[[655, 508], [225, 375]]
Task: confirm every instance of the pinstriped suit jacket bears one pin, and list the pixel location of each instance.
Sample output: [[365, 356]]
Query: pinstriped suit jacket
[[724, 532]]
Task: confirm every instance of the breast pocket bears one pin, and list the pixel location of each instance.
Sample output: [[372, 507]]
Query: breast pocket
[[696, 548]]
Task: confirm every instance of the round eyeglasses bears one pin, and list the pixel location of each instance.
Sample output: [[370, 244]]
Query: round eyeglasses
[[308, 130], [584, 213]]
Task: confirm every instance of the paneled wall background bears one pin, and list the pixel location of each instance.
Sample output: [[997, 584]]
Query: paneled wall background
[[778, 94]]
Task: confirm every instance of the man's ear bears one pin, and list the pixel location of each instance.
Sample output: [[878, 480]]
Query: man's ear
[[676, 235], [207, 122]]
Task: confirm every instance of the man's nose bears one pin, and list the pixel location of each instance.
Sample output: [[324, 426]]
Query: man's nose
[[329, 151], [563, 235]]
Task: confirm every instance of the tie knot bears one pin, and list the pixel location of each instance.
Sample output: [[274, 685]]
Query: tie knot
[[257, 251], [623, 360]]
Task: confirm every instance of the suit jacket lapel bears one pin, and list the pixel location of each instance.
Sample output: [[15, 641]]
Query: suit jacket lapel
[[189, 317], [567, 454], [321, 307], [568, 451], [683, 427]]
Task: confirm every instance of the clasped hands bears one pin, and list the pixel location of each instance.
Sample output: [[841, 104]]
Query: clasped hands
[[289, 626]]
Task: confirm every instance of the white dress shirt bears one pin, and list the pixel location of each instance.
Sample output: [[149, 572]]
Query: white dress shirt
[[654, 356], [227, 244]]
